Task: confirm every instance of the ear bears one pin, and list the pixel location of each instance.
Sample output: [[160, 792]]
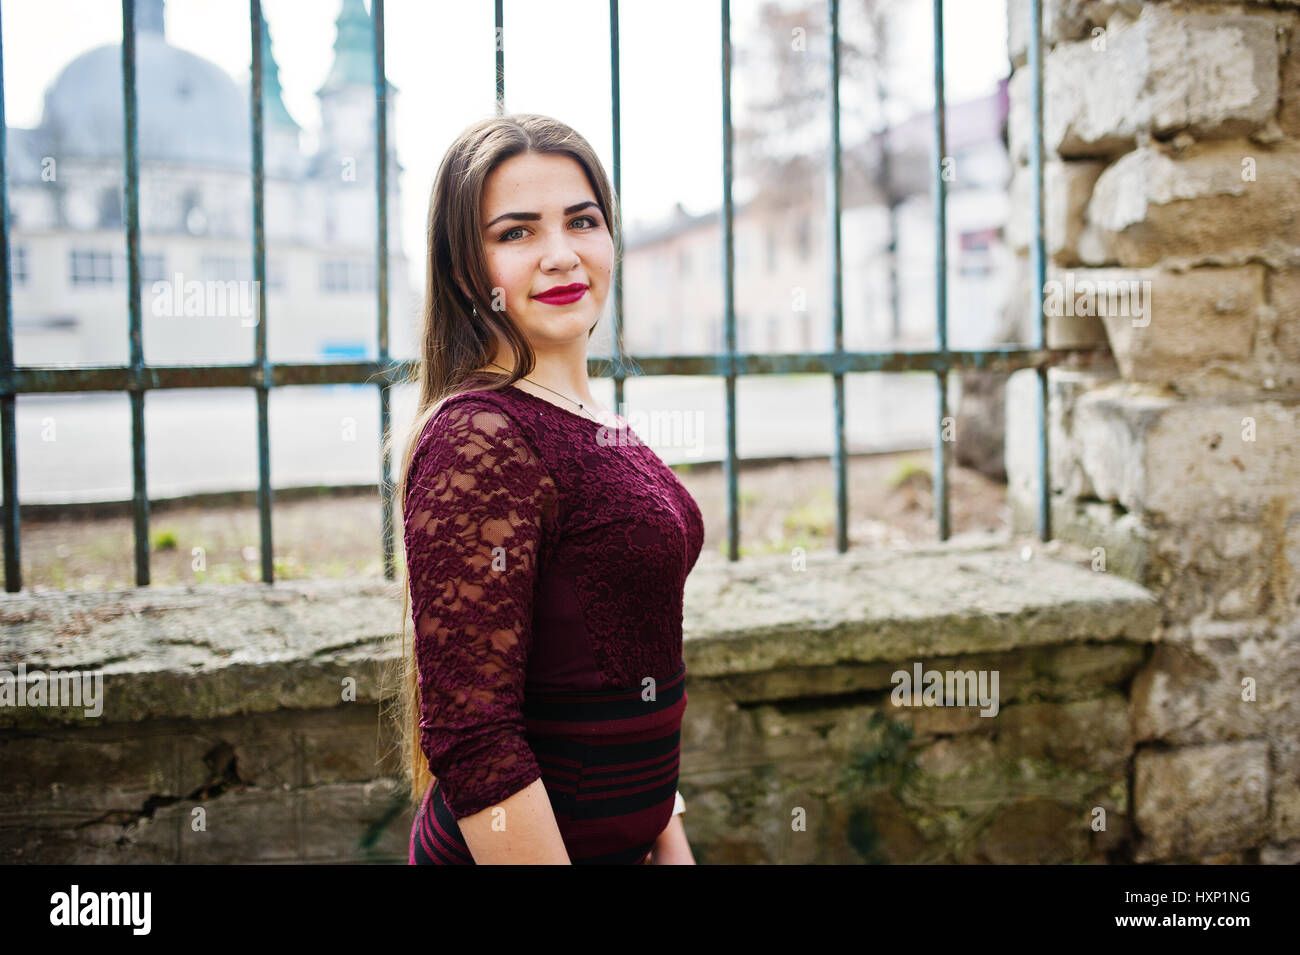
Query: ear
[[464, 290]]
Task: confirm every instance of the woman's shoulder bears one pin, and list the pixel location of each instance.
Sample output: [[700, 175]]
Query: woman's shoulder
[[479, 414], [474, 399]]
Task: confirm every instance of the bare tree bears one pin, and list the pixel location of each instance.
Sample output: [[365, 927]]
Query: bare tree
[[783, 142]]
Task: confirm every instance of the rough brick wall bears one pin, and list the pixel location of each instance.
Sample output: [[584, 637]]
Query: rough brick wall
[[1171, 136]]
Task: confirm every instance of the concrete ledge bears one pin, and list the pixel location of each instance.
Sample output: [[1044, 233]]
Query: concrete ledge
[[228, 704], [213, 651], [869, 607]]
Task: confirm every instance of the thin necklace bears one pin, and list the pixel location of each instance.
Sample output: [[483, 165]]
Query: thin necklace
[[552, 391]]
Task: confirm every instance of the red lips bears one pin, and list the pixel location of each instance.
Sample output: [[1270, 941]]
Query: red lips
[[562, 294]]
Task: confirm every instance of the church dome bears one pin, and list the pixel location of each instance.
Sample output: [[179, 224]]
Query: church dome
[[189, 110]]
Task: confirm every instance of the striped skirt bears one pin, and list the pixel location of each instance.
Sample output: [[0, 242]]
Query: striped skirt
[[609, 762]]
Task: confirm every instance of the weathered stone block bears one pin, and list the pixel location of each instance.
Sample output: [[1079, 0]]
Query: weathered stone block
[[54, 771], [259, 750], [348, 743], [1169, 325], [1280, 855], [1288, 113], [1284, 296], [253, 825], [1091, 735], [1066, 473], [1199, 800], [1213, 75], [55, 838], [1291, 553], [1035, 831], [356, 822], [1067, 187], [1062, 20], [1118, 542], [1182, 461], [1191, 694], [1284, 825], [1220, 204]]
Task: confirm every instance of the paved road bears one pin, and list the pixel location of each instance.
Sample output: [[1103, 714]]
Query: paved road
[[78, 448]]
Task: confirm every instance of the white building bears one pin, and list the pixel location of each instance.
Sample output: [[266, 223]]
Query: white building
[[673, 293], [67, 213]]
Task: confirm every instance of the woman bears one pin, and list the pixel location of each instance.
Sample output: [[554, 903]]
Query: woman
[[546, 546]]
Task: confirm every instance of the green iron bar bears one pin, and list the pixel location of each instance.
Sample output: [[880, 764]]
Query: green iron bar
[[263, 382], [1037, 258], [839, 456], [939, 192], [8, 419], [381, 270], [39, 380], [729, 464], [615, 102], [131, 163], [499, 45]]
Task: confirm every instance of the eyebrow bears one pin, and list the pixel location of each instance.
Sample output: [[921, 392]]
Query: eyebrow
[[533, 216]]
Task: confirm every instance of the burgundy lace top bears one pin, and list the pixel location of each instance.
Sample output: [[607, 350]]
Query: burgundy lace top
[[546, 553]]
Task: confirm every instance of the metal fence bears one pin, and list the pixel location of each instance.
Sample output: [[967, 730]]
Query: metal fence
[[137, 378]]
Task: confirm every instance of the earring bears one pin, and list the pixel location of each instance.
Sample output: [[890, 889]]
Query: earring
[[475, 308]]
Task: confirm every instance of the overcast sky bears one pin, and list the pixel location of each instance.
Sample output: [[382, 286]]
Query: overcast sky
[[440, 56]]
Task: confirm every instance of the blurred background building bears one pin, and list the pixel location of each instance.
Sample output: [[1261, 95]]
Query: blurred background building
[[673, 295], [66, 209]]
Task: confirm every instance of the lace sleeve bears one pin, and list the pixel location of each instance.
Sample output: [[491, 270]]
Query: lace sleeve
[[475, 500]]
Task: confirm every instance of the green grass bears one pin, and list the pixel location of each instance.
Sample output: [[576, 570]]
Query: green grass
[[815, 517], [906, 469], [164, 540]]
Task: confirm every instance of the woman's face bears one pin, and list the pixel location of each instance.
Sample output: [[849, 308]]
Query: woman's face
[[543, 229]]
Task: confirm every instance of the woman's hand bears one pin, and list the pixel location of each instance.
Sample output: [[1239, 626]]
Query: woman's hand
[[671, 848]]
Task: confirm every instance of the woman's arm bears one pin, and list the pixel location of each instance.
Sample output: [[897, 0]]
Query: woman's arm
[[671, 848], [474, 516], [519, 830]]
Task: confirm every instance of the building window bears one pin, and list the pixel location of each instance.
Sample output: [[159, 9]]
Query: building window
[[97, 267], [151, 268], [232, 268], [18, 264], [344, 276], [89, 267]]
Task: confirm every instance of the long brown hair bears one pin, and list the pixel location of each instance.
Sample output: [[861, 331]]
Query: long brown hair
[[455, 341]]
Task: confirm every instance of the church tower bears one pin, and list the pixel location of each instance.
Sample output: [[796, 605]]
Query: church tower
[[280, 133], [345, 163]]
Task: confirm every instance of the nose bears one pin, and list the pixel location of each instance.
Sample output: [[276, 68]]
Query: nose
[[558, 254]]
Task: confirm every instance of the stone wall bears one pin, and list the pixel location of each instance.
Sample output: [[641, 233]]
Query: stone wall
[[1171, 136], [242, 724]]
